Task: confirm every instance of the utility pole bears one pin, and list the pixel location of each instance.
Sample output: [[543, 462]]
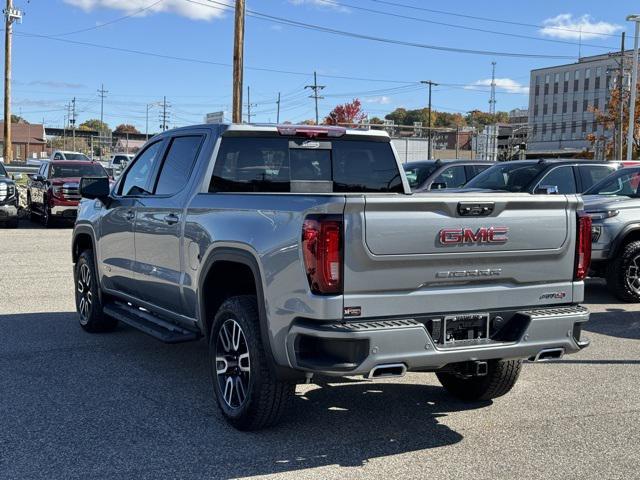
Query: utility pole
[[164, 116], [634, 87], [238, 59], [73, 122], [249, 104], [492, 111], [278, 114], [10, 15], [431, 84], [621, 90], [316, 88], [102, 93]]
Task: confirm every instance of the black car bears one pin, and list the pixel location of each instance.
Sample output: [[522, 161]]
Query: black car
[[438, 174], [8, 199], [543, 176]]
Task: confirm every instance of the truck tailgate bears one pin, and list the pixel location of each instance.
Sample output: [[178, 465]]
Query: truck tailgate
[[436, 253]]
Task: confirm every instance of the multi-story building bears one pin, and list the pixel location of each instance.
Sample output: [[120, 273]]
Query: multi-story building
[[562, 100]]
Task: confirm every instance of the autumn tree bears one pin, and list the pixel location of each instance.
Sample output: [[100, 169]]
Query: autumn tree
[[126, 128], [348, 113], [94, 125], [609, 119]]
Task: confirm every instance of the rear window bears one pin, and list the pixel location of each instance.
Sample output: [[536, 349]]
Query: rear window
[[76, 156], [73, 171], [247, 164], [511, 177]]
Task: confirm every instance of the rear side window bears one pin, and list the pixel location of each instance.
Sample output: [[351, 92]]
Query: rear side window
[[592, 174], [178, 163], [561, 177], [247, 164]]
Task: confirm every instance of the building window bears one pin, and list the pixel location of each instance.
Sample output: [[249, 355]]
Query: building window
[[585, 104], [594, 126], [587, 77], [545, 109], [573, 127], [535, 110], [566, 82], [546, 84], [537, 90], [576, 80], [584, 126], [597, 80], [564, 107], [544, 129], [553, 128], [575, 106], [556, 80], [563, 127], [596, 103], [535, 129], [555, 107]]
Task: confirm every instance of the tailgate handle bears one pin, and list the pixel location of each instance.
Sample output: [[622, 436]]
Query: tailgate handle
[[471, 209]]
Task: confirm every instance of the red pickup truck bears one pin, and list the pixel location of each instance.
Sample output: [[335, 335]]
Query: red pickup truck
[[52, 193]]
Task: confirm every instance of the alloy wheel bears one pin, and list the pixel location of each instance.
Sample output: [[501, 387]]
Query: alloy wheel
[[85, 294], [233, 364], [632, 275]]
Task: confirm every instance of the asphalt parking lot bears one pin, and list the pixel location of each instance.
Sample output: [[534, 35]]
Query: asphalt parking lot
[[122, 405]]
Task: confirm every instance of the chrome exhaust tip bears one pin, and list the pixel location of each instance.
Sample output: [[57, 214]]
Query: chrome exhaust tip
[[387, 370], [549, 354]]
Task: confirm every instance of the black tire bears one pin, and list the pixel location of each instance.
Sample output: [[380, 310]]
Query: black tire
[[47, 220], [619, 270], [500, 379], [88, 301], [265, 397], [33, 216]]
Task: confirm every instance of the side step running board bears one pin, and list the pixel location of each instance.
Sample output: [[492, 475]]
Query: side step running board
[[149, 324]]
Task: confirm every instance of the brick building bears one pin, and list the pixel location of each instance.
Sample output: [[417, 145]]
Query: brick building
[[28, 141]]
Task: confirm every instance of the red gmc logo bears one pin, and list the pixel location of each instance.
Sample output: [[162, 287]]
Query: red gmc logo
[[455, 236]]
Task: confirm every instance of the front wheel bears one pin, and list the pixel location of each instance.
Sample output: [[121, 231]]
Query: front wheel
[[247, 391], [88, 302], [623, 274], [502, 375]]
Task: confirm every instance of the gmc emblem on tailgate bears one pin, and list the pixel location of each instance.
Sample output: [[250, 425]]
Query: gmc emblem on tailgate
[[457, 236]]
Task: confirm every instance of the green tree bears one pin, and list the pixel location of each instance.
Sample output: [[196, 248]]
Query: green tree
[[94, 125], [18, 119]]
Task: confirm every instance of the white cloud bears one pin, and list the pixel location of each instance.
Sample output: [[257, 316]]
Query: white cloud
[[506, 84], [321, 3], [181, 7], [382, 100], [567, 26]]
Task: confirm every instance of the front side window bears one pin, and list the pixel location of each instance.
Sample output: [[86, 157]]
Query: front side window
[[452, 177], [247, 164], [624, 183], [138, 176], [511, 177], [178, 164], [3, 172], [562, 178]]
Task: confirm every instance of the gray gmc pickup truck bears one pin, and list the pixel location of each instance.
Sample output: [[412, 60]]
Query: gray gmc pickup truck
[[299, 250]]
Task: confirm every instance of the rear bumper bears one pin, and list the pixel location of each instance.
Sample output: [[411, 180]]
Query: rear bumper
[[355, 348]]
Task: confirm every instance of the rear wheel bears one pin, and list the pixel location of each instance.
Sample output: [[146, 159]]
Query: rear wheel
[[247, 392], [47, 221], [501, 376], [88, 302], [623, 274]]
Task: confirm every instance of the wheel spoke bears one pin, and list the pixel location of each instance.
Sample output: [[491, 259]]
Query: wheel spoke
[[221, 365], [224, 338], [243, 362], [236, 334], [240, 391], [80, 286], [89, 298], [228, 391]]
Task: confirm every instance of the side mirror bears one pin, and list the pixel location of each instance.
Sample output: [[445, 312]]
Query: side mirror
[[37, 178], [438, 186], [95, 188], [547, 190], [16, 176]]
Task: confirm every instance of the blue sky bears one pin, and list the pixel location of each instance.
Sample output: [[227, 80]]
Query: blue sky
[[49, 70]]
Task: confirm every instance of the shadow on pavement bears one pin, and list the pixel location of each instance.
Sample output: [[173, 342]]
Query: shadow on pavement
[[621, 324], [123, 404]]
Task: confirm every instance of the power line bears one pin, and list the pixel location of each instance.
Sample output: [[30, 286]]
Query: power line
[[487, 19], [316, 90], [462, 27], [110, 22], [309, 26]]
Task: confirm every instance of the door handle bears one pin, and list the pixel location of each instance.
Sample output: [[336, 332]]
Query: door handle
[[171, 219], [130, 215]]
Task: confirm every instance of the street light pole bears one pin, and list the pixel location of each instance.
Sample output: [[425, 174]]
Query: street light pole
[[634, 87]]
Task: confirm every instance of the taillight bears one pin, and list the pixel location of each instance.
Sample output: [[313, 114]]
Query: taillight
[[312, 131], [583, 246], [322, 253]]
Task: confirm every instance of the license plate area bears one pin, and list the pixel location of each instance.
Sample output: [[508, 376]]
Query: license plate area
[[465, 328]]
